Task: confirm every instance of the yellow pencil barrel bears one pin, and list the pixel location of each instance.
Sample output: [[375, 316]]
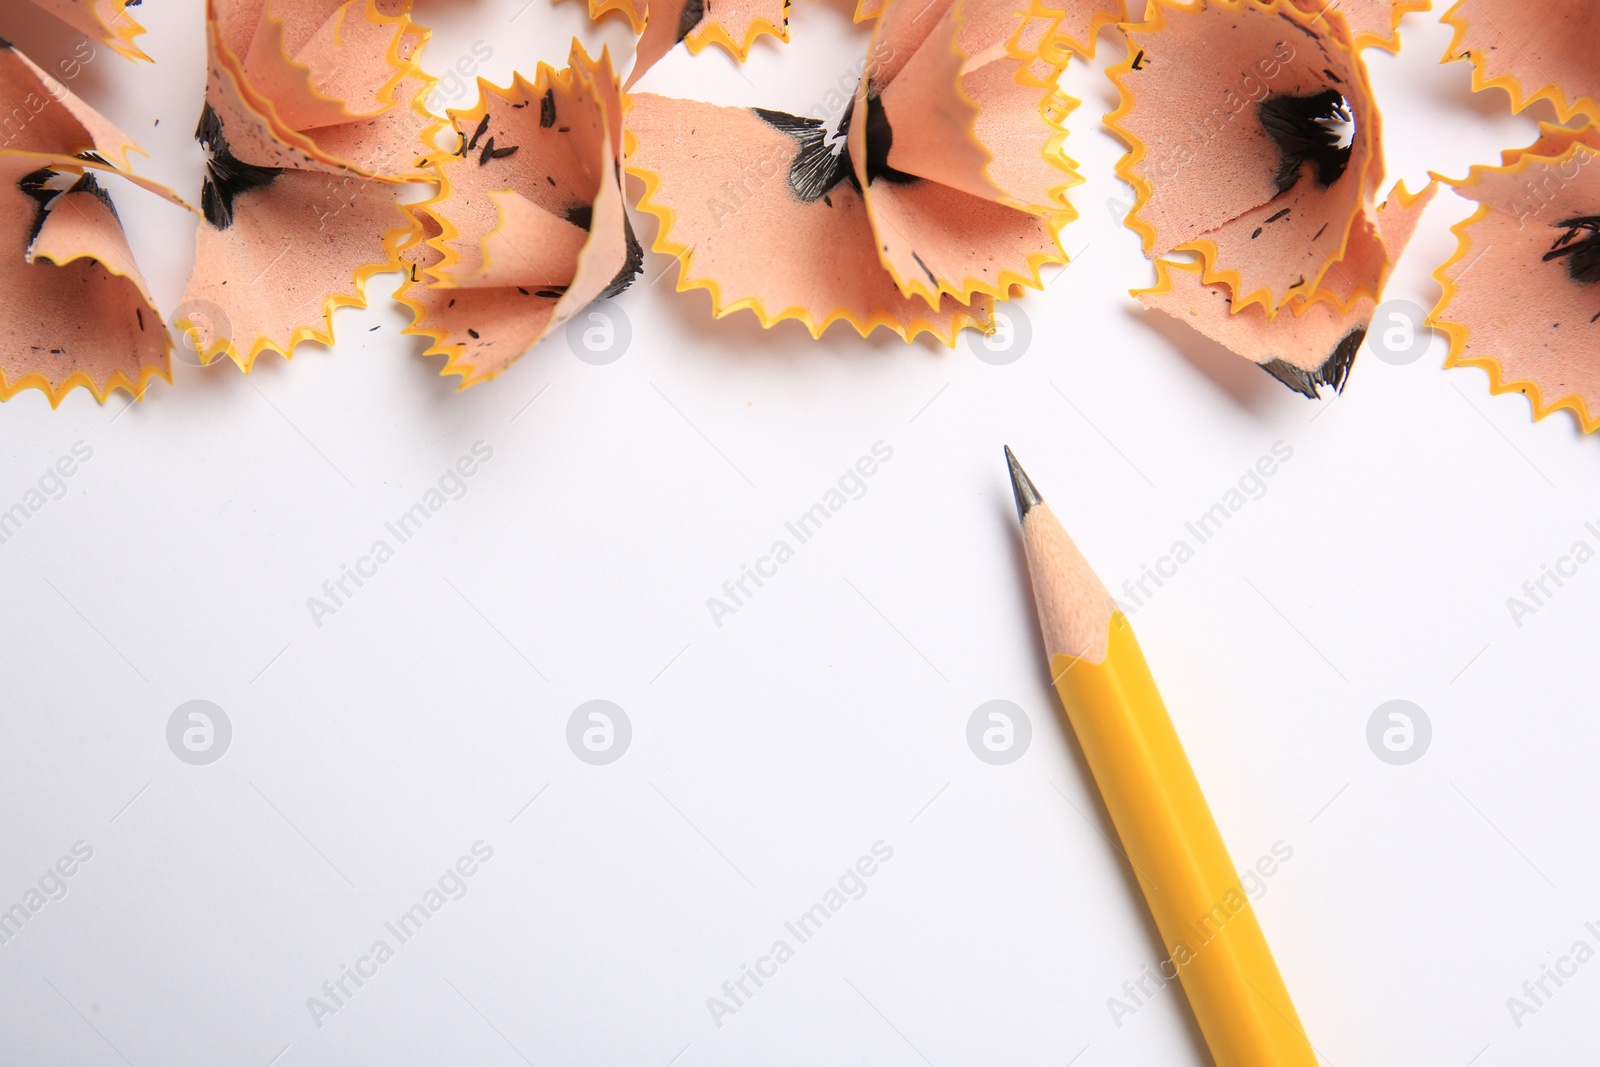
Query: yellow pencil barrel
[[1172, 842]]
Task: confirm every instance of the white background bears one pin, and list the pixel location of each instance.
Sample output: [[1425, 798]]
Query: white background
[[829, 713]]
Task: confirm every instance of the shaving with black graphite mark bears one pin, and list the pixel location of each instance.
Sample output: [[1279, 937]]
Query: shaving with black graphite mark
[[227, 178], [36, 185], [822, 160], [1582, 254], [46, 186], [582, 216], [1317, 129], [1334, 372], [632, 267], [690, 15], [817, 165]]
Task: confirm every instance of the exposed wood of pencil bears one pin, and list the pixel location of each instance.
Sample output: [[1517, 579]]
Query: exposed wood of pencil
[[1074, 608]]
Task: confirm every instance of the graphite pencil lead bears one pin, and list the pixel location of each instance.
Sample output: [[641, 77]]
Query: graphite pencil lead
[[1022, 487]]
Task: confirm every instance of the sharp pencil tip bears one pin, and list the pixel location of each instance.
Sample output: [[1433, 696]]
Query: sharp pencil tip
[[1022, 487]]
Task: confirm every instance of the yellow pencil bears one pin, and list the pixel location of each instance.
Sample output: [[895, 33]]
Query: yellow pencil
[[1171, 840]]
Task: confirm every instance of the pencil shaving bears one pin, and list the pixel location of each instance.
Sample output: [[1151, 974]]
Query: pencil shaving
[[72, 129], [1315, 342], [774, 252], [107, 21], [1253, 142], [313, 117], [631, 10], [1532, 51], [732, 25], [1079, 23], [317, 84], [1373, 23], [81, 313], [1521, 294], [956, 138], [946, 192], [529, 226]]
